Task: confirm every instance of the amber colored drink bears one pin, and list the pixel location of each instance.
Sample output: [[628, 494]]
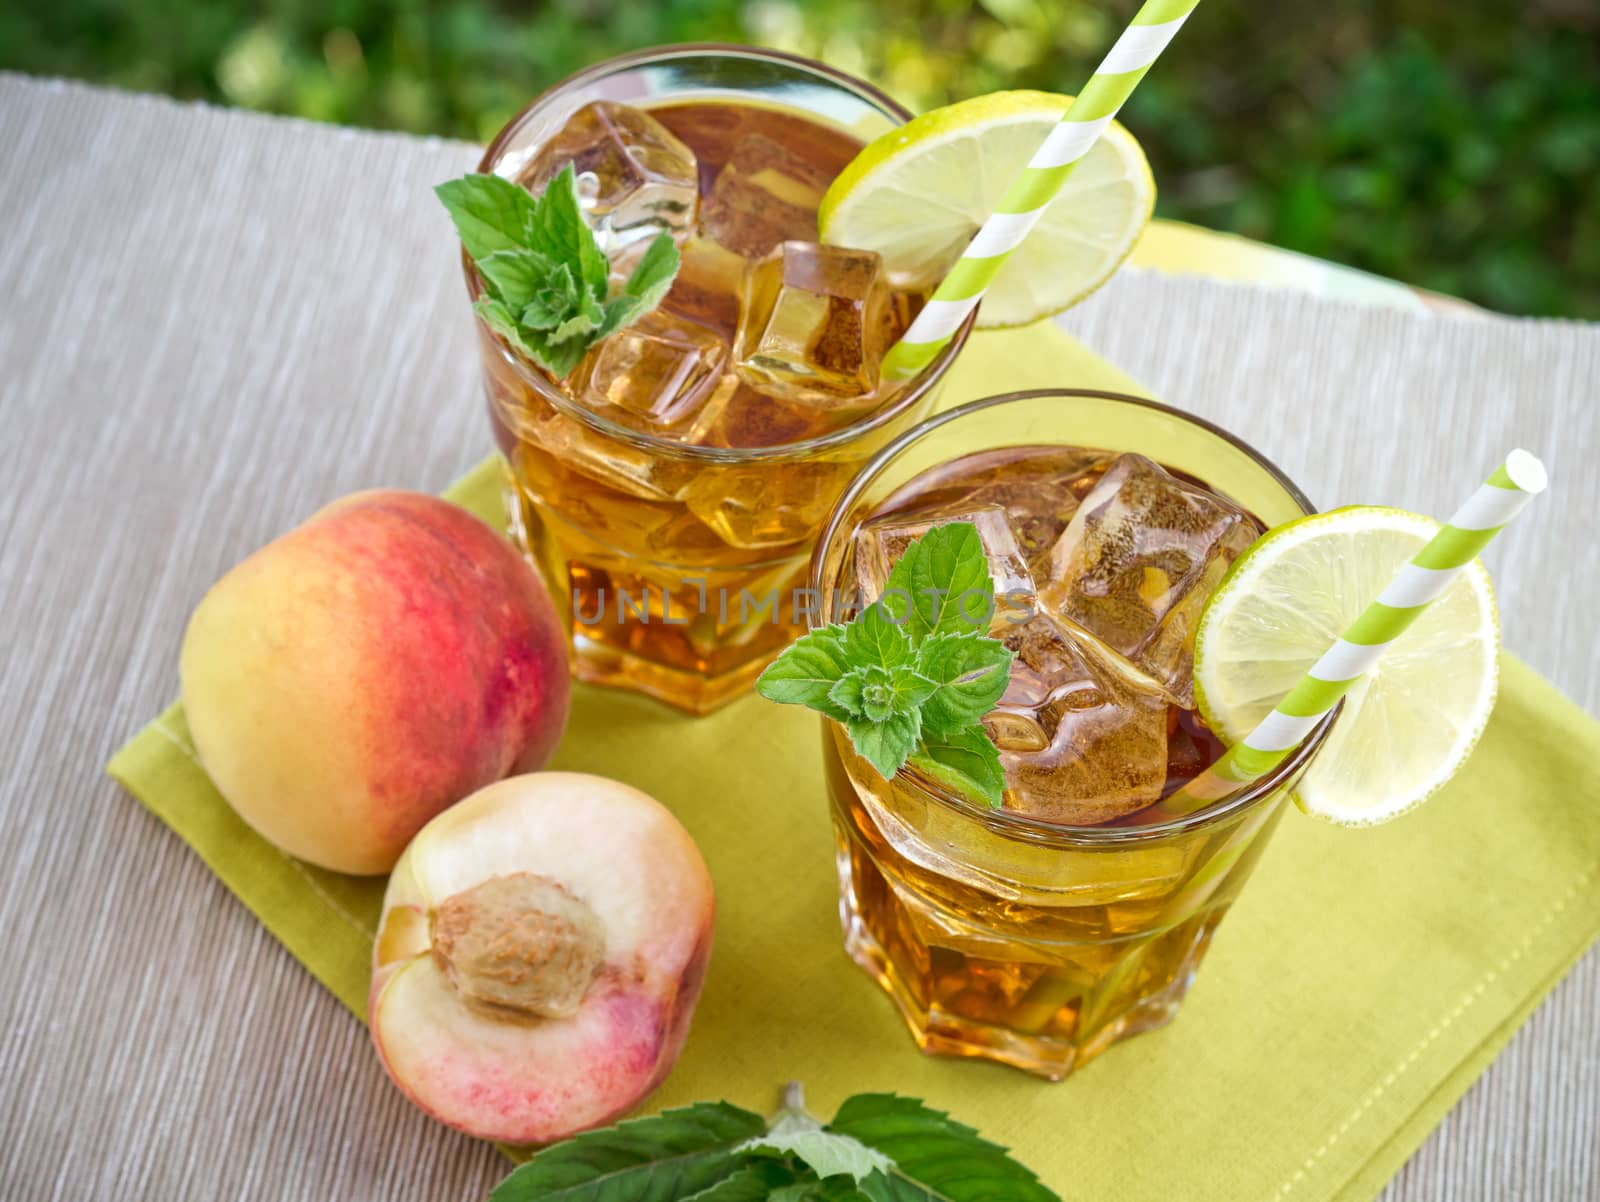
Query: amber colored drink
[[1040, 933], [672, 486]]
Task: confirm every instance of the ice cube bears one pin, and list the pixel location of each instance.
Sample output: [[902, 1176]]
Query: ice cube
[[1137, 562], [634, 178], [1082, 736], [662, 375], [816, 320], [600, 525], [880, 543], [683, 538], [1041, 501], [765, 506], [708, 286], [755, 419], [764, 195], [1039, 491], [573, 445]]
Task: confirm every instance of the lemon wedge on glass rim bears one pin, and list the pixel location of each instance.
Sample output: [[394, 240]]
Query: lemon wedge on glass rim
[[1410, 723], [918, 194]]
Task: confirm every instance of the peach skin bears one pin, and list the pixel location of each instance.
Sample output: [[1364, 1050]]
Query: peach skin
[[371, 667]]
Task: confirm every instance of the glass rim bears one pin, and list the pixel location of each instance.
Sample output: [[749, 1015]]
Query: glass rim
[[914, 391], [1036, 830]]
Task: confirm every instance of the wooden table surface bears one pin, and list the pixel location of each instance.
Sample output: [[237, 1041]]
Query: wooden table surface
[[215, 322]]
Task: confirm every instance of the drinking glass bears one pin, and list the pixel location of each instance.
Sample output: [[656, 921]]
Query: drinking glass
[[1005, 937], [676, 567]]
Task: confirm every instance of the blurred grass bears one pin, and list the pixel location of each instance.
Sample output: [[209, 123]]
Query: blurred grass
[[1453, 146]]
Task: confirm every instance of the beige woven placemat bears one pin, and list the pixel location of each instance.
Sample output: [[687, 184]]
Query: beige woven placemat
[[213, 323]]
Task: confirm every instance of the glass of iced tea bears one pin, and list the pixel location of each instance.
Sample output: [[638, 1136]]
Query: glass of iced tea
[[672, 486], [1040, 933]]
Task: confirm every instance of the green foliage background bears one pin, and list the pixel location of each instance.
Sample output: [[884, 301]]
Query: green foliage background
[[1451, 145]]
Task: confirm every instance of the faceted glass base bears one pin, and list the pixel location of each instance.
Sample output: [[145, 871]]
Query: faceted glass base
[[695, 667], [600, 663], [1046, 1021]]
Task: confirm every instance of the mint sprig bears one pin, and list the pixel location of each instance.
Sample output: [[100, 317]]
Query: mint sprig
[[878, 1148], [546, 282], [676, 1154], [911, 676]]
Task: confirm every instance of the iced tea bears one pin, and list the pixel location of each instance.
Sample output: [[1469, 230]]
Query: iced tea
[[1040, 933], [672, 486]]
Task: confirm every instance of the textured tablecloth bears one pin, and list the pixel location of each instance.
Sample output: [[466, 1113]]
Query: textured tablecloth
[[214, 322]]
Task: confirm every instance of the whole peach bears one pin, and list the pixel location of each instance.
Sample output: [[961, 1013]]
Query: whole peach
[[540, 954], [378, 663]]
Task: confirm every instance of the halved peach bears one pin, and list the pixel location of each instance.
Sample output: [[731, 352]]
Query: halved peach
[[540, 954]]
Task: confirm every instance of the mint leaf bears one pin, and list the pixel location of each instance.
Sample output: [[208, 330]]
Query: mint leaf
[[878, 1148], [806, 672], [827, 1153], [518, 276], [620, 312], [886, 744], [946, 575], [652, 275], [559, 231], [548, 306], [874, 692], [936, 1159], [848, 693], [835, 1189], [490, 213], [546, 282], [558, 358], [969, 675], [916, 688], [840, 1161], [647, 285], [586, 318], [671, 1156], [912, 689], [873, 638], [503, 322], [966, 762], [757, 1182]]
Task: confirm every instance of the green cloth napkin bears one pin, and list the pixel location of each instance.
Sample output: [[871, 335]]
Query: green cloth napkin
[[1359, 986]]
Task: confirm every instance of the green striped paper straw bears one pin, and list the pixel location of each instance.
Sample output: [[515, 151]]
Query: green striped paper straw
[[1153, 26], [1415, 586]]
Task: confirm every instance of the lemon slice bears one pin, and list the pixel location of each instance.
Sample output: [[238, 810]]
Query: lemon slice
[[919, 193], [1410, 722]]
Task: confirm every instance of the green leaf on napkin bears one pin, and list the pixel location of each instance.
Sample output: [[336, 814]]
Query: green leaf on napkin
[[794, 1133], [878, 1148], [675, 1154], [912, 675], [835, 1189], [759, 1182], [936, 1159], [545, 280]]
